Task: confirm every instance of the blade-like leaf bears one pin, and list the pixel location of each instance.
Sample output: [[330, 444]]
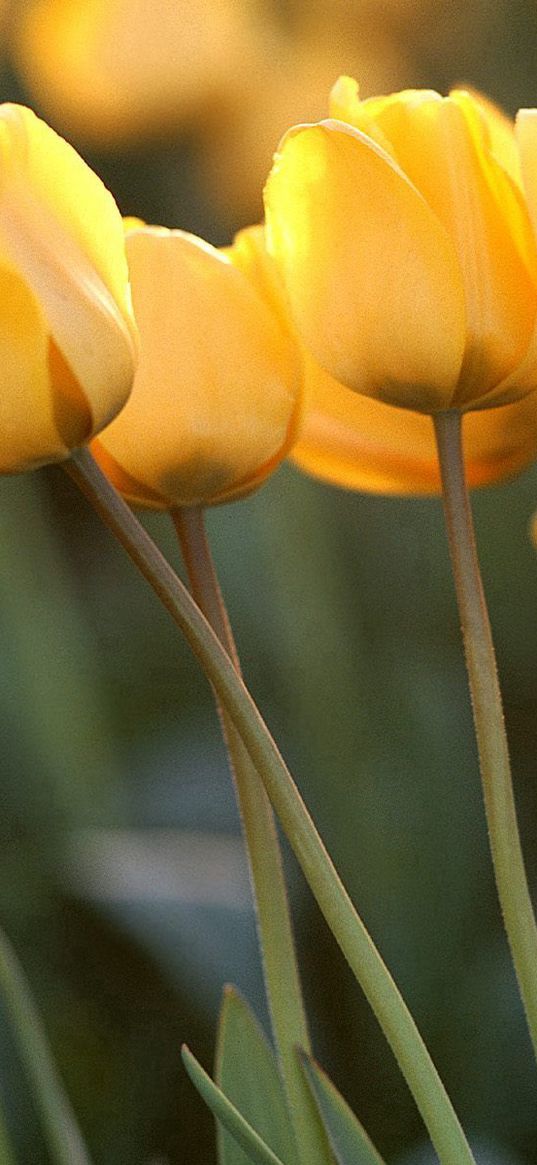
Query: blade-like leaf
[[61, 1131], [348, 1138], [247, 1073], [255, 1148]]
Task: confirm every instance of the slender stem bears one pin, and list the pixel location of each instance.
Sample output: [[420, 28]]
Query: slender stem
[[63, 1137], [492, 746], [346, 925], [272, 908]]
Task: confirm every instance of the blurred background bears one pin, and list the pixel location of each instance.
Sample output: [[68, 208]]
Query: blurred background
[[122, 879]]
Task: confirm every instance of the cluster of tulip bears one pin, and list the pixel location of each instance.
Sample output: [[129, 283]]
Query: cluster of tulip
[[396, 271], [394, 281]]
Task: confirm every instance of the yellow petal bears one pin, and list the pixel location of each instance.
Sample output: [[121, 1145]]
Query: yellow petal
[[249, 254], [526, 138], [499, 128], [372, 278], [438, 145], [357, 443], [29, 433], [215, 399], [61, 230], [378, 117], [524, 377]]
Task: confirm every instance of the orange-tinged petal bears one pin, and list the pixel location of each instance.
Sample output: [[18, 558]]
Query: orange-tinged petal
[[371, 275], [357, 443], [61, 230], [216, 396]]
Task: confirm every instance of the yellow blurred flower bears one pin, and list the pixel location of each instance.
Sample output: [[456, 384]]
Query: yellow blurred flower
[[234, 148], [67, 336], [110, 70], [405, 242], [216, 398], [356, 442]]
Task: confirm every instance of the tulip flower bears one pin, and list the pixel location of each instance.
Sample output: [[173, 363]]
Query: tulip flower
[[216, 397], [356, 442], [67, 351], [109, 71], [404, 239]]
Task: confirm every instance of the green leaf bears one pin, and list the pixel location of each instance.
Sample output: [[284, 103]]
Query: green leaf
[[348, 1138], [247, 1072], [255, 1148]]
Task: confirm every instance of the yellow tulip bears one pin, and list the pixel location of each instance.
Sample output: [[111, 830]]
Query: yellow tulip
[[356, 442], [67, 335], [111, 70], [406, 247], [216, 398]]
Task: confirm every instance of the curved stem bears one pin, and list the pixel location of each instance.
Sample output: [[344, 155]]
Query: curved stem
[[485, 692], [275, 932], [346, 925]]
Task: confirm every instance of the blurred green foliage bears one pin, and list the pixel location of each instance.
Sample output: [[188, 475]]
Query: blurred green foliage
[[345, 619]]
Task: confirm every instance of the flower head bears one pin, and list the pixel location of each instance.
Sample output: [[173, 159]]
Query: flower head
[[403, 233], [216, 397], [357, 442], [67, 335]]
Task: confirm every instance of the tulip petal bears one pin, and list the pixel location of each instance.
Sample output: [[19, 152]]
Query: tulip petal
[[214, 404], [61, 230], [501, 138], [31, 427], [524, 378], [438, 147], [371, 275], [357, 443]]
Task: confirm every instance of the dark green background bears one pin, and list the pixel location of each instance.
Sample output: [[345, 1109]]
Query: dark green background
[[345, 619]]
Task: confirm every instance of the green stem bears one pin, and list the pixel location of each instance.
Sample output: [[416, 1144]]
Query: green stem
[[61, 1131], [485, 692], [363, 957], [272, 908]]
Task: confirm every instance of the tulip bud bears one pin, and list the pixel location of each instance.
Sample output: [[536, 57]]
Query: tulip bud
[[357, 442], [406, 247], [67, 335], [216, 397]]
